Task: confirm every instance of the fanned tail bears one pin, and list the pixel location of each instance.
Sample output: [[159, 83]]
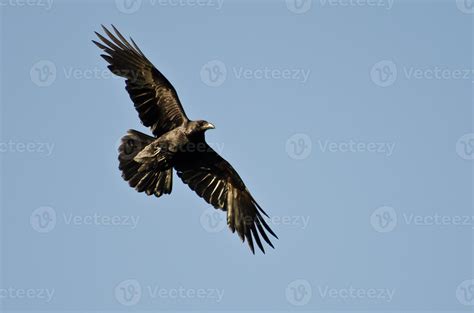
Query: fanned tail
[[143, 178]]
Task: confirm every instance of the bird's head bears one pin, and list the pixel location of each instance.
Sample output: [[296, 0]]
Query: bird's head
[[199, 126]]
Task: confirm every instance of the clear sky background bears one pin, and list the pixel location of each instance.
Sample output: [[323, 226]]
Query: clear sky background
[[350, 122]]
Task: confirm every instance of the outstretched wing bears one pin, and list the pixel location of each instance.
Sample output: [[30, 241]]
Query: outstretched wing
[[154, 97], [215, 180]]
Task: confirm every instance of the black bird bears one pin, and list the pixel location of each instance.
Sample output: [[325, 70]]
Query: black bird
[[147, 162]]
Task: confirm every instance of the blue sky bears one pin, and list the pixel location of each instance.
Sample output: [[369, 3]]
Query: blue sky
[[350, 122]]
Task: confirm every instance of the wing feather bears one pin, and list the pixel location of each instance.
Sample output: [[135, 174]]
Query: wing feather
[[214, 179], [154, 97]]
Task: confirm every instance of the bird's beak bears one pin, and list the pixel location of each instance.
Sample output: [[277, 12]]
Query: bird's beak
[[210, 126]]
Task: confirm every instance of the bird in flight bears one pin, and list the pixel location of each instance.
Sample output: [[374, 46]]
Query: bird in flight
[[178, 143]]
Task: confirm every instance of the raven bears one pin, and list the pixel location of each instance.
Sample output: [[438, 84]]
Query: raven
[[147, 162]]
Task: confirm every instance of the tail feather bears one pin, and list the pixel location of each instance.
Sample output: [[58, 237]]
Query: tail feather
[[151, 181]]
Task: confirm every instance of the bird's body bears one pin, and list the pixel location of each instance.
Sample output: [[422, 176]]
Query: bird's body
[[147, 162], [162, 151]]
